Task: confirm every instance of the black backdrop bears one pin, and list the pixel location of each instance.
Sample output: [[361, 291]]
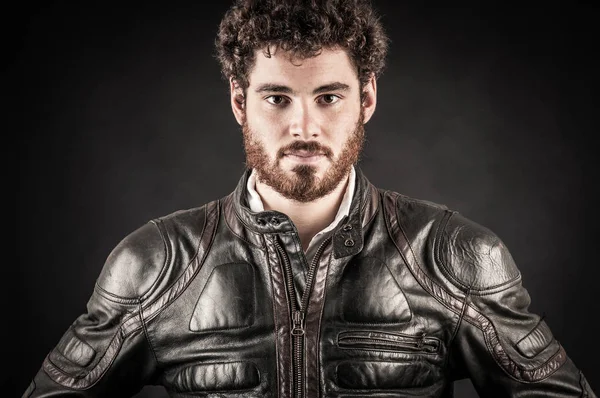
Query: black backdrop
[[121, 116]]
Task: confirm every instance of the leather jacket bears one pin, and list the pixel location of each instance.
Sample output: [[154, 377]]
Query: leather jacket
[[402, 298]]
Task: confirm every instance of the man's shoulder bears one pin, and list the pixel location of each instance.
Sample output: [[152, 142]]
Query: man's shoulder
[[471, 255], [411, 211], [187, 221], [135, 264]]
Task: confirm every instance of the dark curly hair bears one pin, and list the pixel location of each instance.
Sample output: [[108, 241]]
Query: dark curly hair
[[302, 27]]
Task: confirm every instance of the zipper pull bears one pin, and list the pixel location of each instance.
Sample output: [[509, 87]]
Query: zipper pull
[[298, 317]]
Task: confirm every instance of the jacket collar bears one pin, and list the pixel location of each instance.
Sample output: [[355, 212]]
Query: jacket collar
[[347, 235]]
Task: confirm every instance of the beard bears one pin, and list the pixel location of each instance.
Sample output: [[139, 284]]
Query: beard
[[303, 185]]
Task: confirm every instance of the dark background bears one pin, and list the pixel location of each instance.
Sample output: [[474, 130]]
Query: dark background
[[121, 116]]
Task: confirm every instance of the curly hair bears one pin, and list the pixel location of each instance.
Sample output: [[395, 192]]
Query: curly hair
[[304, 28]]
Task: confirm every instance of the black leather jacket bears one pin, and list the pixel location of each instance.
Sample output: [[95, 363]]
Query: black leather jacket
[[402, 298]]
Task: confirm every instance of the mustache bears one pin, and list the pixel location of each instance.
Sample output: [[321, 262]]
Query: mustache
[[306, 146]]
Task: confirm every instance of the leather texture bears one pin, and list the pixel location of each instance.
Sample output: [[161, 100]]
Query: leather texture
[[404, 297]]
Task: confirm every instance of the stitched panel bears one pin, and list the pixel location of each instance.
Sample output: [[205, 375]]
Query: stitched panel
[[453, 303], [512, 368], [217, 377], [377, 299], [227, 300], [75, 350], [86, 380], [535, 341], [473, 257], [370, 375], [210, 228]]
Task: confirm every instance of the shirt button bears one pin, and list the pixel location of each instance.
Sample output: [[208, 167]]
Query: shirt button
[[347, 227], [349, 242]]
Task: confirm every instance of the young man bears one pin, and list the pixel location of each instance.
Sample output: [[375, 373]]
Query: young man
[[307, 281]]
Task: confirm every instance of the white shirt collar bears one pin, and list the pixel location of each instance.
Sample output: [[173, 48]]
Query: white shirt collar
[[256, 204]]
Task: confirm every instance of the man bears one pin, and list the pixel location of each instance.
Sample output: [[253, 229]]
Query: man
[[308, 281]]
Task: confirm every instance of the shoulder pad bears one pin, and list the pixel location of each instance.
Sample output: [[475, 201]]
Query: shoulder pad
[[473, 257], [134, 264]]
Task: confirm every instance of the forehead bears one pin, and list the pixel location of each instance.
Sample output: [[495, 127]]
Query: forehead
[[331, 65]]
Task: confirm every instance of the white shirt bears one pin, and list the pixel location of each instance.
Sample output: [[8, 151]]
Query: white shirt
[[256, 205]]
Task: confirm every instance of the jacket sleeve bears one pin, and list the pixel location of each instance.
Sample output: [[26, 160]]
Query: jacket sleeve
[[105, 352], [503, 348]]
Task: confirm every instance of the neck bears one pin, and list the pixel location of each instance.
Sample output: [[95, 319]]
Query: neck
[[310, 217]]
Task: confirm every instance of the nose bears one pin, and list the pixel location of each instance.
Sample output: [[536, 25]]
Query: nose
[[303, 123]]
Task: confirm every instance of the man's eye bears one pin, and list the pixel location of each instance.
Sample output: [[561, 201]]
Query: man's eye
[[275, 99], [329, 99]]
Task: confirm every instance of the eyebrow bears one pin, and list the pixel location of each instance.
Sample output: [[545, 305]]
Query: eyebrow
[[337, 86], [268, 87]]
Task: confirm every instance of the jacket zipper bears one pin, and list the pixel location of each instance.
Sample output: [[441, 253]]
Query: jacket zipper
[[388, 342], [298, 312]]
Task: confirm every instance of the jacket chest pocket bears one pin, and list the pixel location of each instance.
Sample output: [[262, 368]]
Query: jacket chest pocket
[[371, 361], [388, 342]]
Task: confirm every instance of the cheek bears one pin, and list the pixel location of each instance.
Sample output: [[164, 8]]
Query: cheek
[[268, 125], [343, 116], [341, 126]]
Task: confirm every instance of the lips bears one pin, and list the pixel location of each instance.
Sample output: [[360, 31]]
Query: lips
[[303, 154]]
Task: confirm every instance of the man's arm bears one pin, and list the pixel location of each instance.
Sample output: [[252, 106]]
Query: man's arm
[[503, 348], [105, 352]]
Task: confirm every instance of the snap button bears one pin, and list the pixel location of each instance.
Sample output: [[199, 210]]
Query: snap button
[[261, 221], [349, 242], [347, 227], [274, 221]]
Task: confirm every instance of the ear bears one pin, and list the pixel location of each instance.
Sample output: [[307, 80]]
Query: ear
[[238, 101], [369, 98]]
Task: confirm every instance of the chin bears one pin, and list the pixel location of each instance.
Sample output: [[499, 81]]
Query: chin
[[308, 169]]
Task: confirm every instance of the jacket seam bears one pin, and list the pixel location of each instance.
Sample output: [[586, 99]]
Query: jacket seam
[[395, 322], [254, 303], [237, 235], [456, 329], [438, 258], [144, 327], [318, 348], [583, 385], [195, 258], [89, 378], [168, 256], [460, 318], [63, 355], [514, 370], [418, 266], [114, 297], [539, 322]]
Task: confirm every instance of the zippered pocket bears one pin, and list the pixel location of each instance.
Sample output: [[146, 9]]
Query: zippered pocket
[[395, 342]]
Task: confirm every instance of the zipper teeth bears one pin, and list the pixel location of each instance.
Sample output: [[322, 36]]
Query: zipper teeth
[[382, 342], [298, 346], [288, 276], [297, 340], [310, 275], [417, 344]]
